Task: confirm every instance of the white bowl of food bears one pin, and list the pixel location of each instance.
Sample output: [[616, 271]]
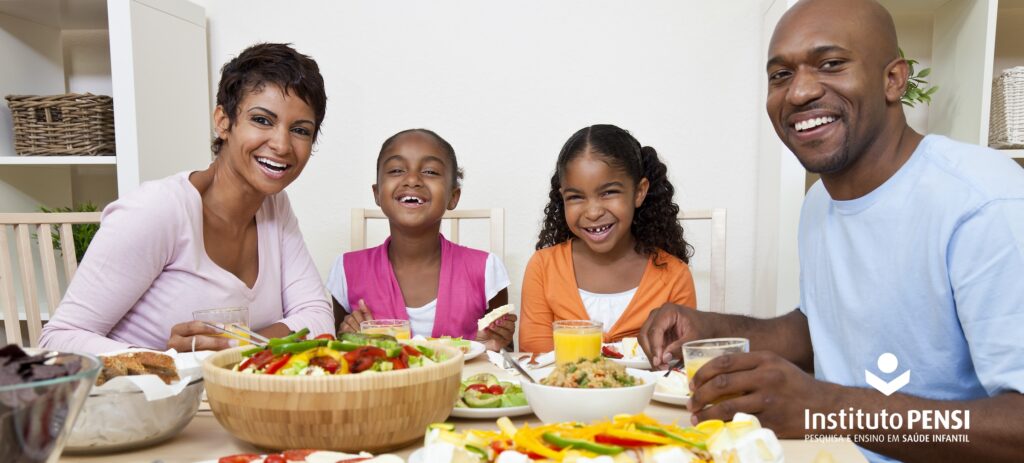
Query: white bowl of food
[[586, 391], [118, 416]]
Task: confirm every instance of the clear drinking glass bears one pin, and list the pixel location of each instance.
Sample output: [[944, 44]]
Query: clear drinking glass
[[400, 329], [228, 318], [576, 339], [697, 353]]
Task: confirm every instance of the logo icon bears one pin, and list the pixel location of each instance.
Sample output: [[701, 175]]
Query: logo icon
[[887, 363]]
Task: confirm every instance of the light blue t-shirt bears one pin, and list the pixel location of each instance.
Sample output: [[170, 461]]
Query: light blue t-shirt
[[929, 267]]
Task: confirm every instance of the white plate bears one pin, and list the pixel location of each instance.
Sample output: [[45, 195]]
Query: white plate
[[640, 363], [673, 399], [475, 349], [481, 413]]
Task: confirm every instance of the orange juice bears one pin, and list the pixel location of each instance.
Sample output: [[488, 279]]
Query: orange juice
[[693, 365], [400, 329], [239, 332], [397, 332], [576, 339]]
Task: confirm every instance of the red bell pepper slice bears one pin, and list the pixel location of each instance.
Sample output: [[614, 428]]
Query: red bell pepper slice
[[258, 360], [277, 364], [240, 458], [399, 363], [411, 351], [610, 352], [620, 441], [327, 336]]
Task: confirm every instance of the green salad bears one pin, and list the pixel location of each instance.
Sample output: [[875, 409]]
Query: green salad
[[485, 391]]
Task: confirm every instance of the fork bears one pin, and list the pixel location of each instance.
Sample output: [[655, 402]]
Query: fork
[[678, 364], [254, 340]]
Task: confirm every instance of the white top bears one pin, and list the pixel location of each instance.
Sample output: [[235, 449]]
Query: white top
[[421, 319], [606, 308]]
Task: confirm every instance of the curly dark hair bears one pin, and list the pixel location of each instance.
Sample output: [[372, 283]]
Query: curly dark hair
[[457, 173], [654, 223], [270, 63]]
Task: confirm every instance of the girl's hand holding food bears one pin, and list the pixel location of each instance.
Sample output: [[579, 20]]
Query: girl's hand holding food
[[499, 333]]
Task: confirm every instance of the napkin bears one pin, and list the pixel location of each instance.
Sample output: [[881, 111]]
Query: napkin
[[189, 366]]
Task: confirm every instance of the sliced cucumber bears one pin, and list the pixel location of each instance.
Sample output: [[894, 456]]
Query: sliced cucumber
[[477, 399], [483, 378]]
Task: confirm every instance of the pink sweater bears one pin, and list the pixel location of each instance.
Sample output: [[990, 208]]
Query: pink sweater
[[147, 270]]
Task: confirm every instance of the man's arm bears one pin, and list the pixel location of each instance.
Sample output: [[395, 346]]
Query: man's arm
[[793, 404], [670, 326]]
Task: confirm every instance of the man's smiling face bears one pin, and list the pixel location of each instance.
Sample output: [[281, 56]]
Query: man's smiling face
[[827, 84]]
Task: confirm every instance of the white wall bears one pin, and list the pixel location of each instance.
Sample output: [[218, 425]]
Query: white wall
[[506, 83]]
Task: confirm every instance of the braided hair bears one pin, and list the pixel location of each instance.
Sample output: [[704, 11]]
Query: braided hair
[[654, 223]]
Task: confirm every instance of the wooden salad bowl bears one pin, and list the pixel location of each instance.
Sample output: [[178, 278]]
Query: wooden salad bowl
[[375, 412]]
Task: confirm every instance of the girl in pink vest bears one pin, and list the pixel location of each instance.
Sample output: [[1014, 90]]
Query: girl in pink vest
[[442, 288]]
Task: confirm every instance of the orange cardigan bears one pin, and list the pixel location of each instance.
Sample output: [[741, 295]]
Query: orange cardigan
[[550, 293]]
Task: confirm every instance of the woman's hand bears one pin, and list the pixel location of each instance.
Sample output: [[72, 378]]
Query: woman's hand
[[499, 334], [351, 322], [194, 335]]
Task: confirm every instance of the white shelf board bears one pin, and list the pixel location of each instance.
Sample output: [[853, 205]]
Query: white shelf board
[[58, 160], [62, 14], [1015, 154]]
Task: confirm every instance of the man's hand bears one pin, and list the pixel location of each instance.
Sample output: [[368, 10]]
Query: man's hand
[[499, 333], [185, 336], [759, 383], [351, 322], [667, 328]]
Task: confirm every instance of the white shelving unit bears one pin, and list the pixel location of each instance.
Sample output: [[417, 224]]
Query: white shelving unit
[[965, 42], [150, 55]]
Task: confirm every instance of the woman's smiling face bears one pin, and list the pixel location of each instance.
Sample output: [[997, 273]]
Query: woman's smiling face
[[599, 202], [415, 182], [271, 140]]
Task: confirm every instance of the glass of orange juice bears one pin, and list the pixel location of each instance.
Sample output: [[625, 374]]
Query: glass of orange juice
[[576, 339], [697, 353], [228, 318], [400, 329]]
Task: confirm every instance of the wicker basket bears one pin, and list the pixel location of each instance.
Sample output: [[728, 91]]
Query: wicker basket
[[1006, 126], [375, 412], [69, 124]]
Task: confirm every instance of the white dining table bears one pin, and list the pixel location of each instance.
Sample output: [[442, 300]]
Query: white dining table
[[204, 439]]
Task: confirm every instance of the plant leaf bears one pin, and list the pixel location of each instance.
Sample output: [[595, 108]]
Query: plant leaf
[[924, 73]]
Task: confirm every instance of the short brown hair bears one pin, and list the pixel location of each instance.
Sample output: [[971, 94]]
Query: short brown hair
[[270, 63]]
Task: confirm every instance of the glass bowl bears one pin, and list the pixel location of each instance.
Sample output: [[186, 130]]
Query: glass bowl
[[36, 417]]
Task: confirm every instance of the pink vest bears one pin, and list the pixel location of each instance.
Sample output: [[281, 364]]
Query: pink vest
[[461, 299]]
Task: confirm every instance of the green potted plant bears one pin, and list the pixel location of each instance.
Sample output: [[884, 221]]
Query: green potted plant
[[917, 88], [81, 233]]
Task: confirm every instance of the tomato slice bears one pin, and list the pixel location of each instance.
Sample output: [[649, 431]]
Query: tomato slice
[[275, 458], [478, 387], [297, 455], [496, 390], [240, 458], [328, 364], [327, 336]]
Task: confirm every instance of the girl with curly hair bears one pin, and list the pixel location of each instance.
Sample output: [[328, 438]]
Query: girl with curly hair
[[611, 249]]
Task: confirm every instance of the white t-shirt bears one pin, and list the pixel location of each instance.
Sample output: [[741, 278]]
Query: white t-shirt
[[606, 308], [421, 319]]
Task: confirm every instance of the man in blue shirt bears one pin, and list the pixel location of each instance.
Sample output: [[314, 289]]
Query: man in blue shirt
[[911, 259]]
